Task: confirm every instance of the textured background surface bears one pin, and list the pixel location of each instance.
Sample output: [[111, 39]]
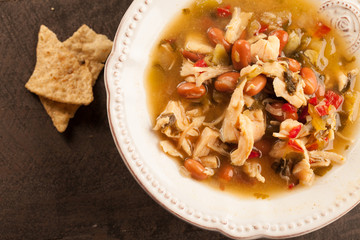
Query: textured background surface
[[75, 185]]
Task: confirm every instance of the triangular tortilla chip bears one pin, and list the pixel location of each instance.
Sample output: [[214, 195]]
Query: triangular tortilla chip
[[61, 113], [88, 45], [58, 76], [95, 68]]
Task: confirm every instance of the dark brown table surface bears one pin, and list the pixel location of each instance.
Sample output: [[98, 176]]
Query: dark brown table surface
[[75, 185]]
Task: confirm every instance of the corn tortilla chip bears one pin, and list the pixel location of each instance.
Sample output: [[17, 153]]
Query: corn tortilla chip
[[95, 69], [58, 76], [88, 45], [61, 113]]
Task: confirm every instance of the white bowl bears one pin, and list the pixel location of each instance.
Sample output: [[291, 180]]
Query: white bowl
[[287, 215]]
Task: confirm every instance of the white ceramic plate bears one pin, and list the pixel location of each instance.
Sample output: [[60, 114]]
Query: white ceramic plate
[[288, 215]]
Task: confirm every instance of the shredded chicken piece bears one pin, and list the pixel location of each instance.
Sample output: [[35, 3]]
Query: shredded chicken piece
[[164, 121], [266, 50], [249, 101], [190, 79], [253, 169], [274, 69], [252, 128], [172, 120], [317, 157], [176, 108], [170, 149], [207, 137], [202, 74], [285, 128], [331, 121], [166, 56], [303, 172], [237, 25], [298, 99], [245, 141], [270, 69], [210, 161], [186, 145], [228, 131], [196, 112], [258, 123], [191, 130], [315, 163], [256, 38], [216, 121], [220, 148], [197, 43], [249, 70], [306, 130], [342, 81], [302, 169]]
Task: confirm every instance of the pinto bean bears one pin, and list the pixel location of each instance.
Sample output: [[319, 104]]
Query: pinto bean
[[217, 36], [294, 65], [227, 82], [255, 85], [241, 54], [310, 80], [192, 56], [189, 90], [226, 173], [196, 169], [264, 145], [283, 36]]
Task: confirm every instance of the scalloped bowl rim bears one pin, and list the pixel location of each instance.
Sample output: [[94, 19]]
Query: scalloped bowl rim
[[283, 216]]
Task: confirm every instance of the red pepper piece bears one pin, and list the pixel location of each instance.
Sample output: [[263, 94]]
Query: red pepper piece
[[295, 131], [334, 99], [314, 101], [287, 107], [224, 11], [291, 186], [294, 145], [200, 63], [312, 146], [255, 153], [323, 107], [322, 30], [263, 28], [322, 110]]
